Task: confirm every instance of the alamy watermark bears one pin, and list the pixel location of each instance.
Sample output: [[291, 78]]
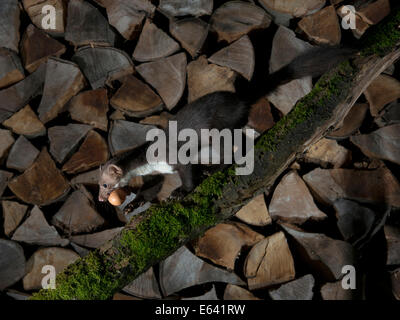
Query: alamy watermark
[[349, 279], [349, 17], [49, 19], [205, 149], [49, 280]]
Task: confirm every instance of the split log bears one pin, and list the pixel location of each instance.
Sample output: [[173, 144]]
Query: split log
[[92, 153], [63, 81], [59, 258], [18, 96], [280, 18], [191, 34], [11, 70], [204, 78], [87, 26], [255, 212], [36, 230], [354, 221], [390, 115], [77, 214], [125, 136], [292, 201], [296, 8], [374, 12], [360, 185], [96, 240], [239, 56], [335, 291], [223, 243], [299, 289], [34, 9], [154, 44], [383, 90], [9, 24], [233, 292], [167, 76], [327, 152], [13, 213], [37, 47], [16, 295], [162, 229], [285, 47], [395, 280], [22, 155], [101, 65], [87, 178], [117, 115], [136, 99], [26, 122], [127, 15], [178, 8], [269, 262], [80, 250], [160, 120], [65, 139], [6, 142], [12, 263], [351, 123], [90, 107], [145, 286], [234, 19], [325, 255], [383, 143], [392, 235], [174, 271], [322, 27], [5, 177], [42, 183]]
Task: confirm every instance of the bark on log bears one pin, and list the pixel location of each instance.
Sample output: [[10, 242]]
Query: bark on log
[[154, 235], [18, 96]]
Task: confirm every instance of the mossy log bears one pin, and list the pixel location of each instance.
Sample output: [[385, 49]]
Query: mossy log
[[161, 230]]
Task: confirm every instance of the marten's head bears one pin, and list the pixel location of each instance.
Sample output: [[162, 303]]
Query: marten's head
[[110, 175]]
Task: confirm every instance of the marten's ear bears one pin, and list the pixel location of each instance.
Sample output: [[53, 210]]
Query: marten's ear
[[114, 170]]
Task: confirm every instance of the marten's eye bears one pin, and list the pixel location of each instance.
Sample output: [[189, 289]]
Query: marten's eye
[[104, 185]]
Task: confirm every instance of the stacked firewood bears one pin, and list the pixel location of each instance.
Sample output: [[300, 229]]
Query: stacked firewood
[[83, 81]]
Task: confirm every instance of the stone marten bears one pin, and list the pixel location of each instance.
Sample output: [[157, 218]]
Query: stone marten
[[217, 110]]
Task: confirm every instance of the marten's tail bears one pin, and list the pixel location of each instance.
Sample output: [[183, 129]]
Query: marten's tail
[[313, 62]]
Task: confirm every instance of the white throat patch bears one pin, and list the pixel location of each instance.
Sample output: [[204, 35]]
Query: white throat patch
[[148, 168], [155, 167]]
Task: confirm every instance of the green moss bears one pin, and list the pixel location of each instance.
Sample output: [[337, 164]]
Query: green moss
[[383, 37], [85, 280], [329, 88]]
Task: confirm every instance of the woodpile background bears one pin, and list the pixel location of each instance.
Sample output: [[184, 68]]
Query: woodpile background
[[73, 97]]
